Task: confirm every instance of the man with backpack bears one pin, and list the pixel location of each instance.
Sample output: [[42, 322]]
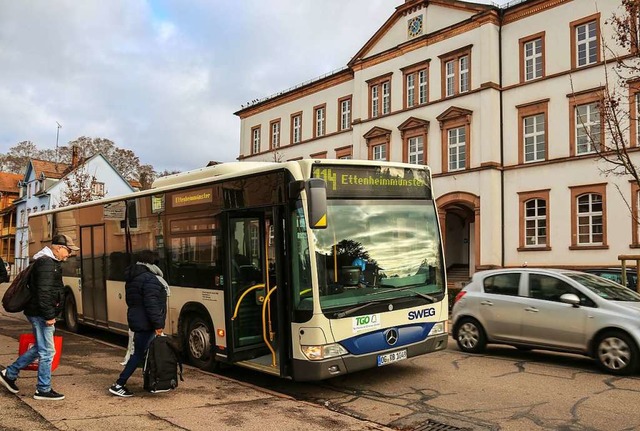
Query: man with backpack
[[146, 297], [47, 297]]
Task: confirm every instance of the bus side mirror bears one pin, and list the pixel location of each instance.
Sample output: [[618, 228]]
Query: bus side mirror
[[317, 197]]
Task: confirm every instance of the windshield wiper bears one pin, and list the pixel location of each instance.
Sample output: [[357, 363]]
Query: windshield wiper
[[352, 310], [409, 288]]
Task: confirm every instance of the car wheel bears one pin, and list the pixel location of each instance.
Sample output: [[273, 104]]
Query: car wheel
[[470, 336], [71, 313], [616, 353], [198, 343]]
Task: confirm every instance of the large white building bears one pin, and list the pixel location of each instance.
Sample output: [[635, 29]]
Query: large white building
[[499, 102]]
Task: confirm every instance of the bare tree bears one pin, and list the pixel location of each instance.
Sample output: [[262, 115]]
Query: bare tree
[[81, 186], [18, 156]]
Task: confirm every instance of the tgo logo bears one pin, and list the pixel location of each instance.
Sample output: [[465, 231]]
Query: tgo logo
[[421, 314]]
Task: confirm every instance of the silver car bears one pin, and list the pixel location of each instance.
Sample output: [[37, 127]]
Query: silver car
[[550, 309]]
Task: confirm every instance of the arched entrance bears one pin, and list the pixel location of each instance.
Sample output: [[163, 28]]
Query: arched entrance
[[459, 214]]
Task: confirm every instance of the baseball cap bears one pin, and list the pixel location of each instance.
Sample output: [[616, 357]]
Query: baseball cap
[[66, 241]]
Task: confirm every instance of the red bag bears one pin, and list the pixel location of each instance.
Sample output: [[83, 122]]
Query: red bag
[[28, 340]]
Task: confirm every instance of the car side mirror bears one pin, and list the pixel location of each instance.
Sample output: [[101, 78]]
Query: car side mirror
[[570, 298]]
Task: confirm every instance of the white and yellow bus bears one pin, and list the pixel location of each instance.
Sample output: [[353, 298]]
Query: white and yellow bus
[[307, 269]]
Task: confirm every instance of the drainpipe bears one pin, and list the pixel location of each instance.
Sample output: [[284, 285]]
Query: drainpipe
[[502, 206]]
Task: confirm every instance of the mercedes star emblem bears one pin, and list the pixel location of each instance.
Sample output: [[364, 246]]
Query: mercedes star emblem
[[391, 336]]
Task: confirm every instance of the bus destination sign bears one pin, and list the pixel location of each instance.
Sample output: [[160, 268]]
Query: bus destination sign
[[374, 181]]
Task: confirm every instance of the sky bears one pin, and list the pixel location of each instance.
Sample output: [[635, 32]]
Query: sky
[[164, 77]]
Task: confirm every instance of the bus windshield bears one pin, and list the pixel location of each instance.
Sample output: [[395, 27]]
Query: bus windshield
[[377, 250]]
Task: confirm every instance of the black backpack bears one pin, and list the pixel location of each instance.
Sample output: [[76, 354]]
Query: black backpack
[[162, 366], [18, 294]]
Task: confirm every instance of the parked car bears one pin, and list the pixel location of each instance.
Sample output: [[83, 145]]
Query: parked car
[[560, 310], [615, 274]]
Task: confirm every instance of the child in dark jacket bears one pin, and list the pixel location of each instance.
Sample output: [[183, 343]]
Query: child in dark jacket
[[146, 296]]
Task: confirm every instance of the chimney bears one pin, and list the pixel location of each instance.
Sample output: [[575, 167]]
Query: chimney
[[74, 157]]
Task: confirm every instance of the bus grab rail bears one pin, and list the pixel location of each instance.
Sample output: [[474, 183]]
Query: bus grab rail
[[265, 304], [254, 287]]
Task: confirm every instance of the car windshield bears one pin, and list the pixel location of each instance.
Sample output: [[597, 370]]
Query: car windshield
[[377, 250], [604, 288]]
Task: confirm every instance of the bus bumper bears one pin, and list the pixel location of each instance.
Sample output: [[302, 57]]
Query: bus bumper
[[320, 370]]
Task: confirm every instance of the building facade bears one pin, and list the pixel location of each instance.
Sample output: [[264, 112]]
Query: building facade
[[43, 187], [9, 192], [503, 103]]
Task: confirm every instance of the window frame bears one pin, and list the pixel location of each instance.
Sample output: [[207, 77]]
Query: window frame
[[523, 198], [320, 123], [454, 58], [523, 57], [381, 100], [539, 107], [576, 192], [453, 118], [414, 71], [273, 142], [635, 213], [256, 139], [345, 152], [580, 99], [295, 128], [341, 113], [573, 25], [634, 113]]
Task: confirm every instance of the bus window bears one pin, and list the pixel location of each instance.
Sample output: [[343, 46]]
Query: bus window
[[301, 265]]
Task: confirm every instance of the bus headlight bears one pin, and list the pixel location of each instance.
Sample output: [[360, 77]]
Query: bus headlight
[[326, 351], [438, 328]]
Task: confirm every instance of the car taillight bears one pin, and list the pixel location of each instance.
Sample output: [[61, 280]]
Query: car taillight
[[459, 296]]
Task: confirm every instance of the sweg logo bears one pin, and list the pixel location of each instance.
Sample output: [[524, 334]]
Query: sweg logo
[[413, 315]]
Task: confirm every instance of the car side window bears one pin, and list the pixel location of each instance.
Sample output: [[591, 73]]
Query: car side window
[[502, 284], [550, 288]]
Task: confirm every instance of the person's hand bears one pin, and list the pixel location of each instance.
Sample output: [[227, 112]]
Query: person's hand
[[51, 322], [159, 331]]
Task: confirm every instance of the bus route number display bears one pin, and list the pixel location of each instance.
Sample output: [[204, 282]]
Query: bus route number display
[[373, 181]]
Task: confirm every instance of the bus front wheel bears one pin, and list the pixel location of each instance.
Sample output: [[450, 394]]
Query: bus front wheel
[[198, 343]]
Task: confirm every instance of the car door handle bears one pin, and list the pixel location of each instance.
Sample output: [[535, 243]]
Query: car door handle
[[486, 303], [532, 309]]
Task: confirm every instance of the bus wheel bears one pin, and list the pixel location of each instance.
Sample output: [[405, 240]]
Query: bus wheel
[[70, 313], [198, 343]]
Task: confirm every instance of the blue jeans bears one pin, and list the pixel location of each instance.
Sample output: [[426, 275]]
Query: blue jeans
[[141, 341], [44, 349]]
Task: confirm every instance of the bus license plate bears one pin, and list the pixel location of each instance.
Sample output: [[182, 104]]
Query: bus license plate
[[392, 357]]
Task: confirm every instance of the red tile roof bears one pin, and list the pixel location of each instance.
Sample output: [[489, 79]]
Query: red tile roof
[[49, 169], [9, 182]]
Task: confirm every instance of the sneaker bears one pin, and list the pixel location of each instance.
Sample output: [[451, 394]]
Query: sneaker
[[120, 391], [9, 383], [51, 395]]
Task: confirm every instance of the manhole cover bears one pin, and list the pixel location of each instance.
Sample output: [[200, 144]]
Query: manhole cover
[[437, 426]]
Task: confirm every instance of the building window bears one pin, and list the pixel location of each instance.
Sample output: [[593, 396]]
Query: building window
[[344, 105], [585, 128], [416, 84], [532, 57], [380, 95], [416, 150], [635, 213], [533, 131], [344, 152], [296, 128], [585, 41], [274, 136], [457, 148], [255, 140], [320, 120], [380, 152], [534, 220], [456, 72], [320, 155], [98, 189], [588, 212]]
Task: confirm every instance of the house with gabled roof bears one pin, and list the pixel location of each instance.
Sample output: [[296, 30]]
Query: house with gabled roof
[[9, 192], [44, 185], [501, 102]]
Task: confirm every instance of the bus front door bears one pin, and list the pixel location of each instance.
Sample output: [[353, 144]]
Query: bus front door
[[251, 256], [92, 268]]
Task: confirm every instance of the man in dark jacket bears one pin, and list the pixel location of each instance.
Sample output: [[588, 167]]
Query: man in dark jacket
[[45, 304], [146, 295]]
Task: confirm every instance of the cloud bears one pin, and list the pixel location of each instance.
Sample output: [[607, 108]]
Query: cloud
[[162, 77]]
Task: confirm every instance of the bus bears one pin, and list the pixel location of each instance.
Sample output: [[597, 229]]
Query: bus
[[306, 269]]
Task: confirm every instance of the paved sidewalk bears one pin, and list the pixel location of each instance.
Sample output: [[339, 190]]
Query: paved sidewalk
[[202, 402]]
